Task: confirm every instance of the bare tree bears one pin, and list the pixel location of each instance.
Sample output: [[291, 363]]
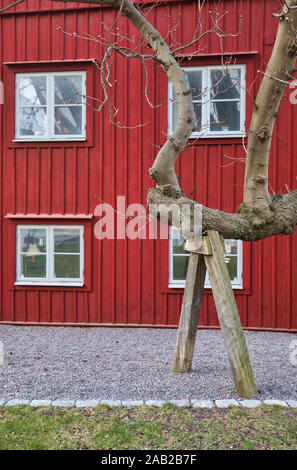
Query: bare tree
[[261, 214]]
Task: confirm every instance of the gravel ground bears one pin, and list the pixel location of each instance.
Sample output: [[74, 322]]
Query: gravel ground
[[134, 363]]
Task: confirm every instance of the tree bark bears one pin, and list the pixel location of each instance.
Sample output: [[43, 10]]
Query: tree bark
[[279, 70], [234, 226]]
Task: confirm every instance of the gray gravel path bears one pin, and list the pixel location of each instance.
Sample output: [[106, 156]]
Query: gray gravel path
[[134, 363]]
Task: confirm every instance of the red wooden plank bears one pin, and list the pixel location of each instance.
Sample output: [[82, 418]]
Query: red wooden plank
[[44, 307], [32, 177], [32, 306], [70, 43], [44, 40], [173, 309], [57, 181], [21, 180], [57, 306], [31, 38], [20, 34], [82, 307]]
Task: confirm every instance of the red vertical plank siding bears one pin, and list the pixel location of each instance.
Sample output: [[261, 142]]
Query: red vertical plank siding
[[267, 286], [70, 43], [127, 280], [32, 36], [44, 39], [69, 170], [203, 312], [20, 30], [57, 181], [57, 306], [32, 169], [44, 307]]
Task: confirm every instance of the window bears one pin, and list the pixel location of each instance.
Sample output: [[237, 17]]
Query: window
[[179, 258], [50, 255], [49, 106], [219, 101]]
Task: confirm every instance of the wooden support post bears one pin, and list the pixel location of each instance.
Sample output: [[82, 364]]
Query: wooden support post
[[189, 313], [229, 319], [210, 255]]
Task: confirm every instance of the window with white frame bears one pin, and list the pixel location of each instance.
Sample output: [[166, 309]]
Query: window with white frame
[[50, 254], [218, 95], [50, 106], [179, 259]]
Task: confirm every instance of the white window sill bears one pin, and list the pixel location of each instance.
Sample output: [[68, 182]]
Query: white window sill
[[198, 135], [217, 135], [64, 139], [41, 283], [207, 286]]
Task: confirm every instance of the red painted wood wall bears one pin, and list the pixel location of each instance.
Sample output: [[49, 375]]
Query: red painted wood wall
[[126, 280]]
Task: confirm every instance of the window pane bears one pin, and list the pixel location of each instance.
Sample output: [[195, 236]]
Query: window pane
[[198, 109], [68, 120], [178, 242], [225, 84], [32, 121], [232, 267], [66, 88], [33, 241], [195, 81], [67, 266], [224, 116], [180, 266], [32, 90], [66, 241], [231, 246], [33, 266]]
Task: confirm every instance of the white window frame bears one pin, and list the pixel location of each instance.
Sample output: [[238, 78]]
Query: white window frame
[[50, 108], [50, 279], [205, 108], [178, 284]]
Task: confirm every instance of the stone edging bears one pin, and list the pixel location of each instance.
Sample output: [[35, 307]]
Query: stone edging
[[130, 403]]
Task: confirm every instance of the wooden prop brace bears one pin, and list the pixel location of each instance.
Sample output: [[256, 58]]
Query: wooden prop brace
[[210, 255]]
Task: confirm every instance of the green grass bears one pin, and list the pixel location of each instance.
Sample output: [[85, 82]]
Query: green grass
[[149, 428]]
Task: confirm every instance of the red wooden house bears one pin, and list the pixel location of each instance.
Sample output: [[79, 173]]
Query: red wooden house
[[58, 156]]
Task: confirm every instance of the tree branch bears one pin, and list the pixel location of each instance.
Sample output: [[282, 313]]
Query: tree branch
[[11, 5], [281, 64], [240, 226]]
